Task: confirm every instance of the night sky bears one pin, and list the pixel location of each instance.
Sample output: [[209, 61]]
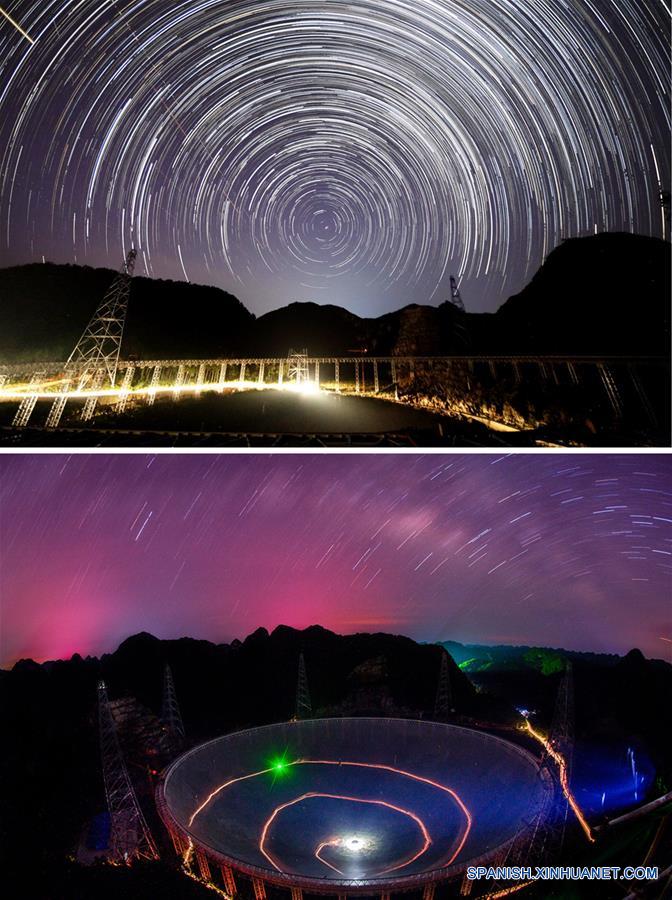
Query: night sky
[[569, 551], [356, 152]]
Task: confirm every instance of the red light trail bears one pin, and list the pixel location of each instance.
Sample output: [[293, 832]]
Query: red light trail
[[328, 762], [337, 841]]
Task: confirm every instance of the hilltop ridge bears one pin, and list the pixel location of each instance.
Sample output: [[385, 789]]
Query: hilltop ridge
[[606, 294]]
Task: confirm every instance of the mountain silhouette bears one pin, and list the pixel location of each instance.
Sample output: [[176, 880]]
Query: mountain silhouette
[[606, 294]]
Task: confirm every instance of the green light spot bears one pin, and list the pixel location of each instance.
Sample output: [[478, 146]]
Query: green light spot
[[279, 765]]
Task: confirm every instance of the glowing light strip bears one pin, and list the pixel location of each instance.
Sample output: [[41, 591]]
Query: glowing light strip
[[188, 853], [18, 392], [224, 786], [564, 781], [335, 842], [423, 828], [508, 890], [331, 762], [16, 25]]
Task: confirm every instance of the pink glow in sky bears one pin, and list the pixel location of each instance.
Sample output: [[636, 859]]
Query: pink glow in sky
[[528, 549]]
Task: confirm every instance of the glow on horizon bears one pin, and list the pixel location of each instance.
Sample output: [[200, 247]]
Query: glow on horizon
[[537, 550]]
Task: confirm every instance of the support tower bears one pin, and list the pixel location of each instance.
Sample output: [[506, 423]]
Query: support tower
[[461, 330], [455, 296], [561, 738], [96, 353], [545, 846], [551, 838], [444, 701], [304, 709], [170, 710], [93, 363], [130, 836], [297, 366]]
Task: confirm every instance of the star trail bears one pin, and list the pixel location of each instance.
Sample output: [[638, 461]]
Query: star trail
[[552, 550], [348, 152]]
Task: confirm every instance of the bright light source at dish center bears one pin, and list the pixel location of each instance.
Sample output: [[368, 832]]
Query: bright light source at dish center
[[303, 387], [356, 843]]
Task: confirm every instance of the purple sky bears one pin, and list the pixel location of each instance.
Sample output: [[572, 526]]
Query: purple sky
[[570, 551]]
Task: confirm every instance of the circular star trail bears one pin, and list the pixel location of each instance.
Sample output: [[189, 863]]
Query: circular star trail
[[540, 550], [349, 152]]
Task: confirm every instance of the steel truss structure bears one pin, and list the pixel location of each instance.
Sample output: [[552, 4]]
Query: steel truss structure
[[170, 710], [443, 704], [93, 363], [297, 366], [618, 388], [304, 709], [549, 827], [455, 295], [130, 836], [98, 348]]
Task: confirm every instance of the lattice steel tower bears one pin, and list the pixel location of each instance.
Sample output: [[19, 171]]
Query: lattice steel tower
[[444, 702], [562, 727], [96, 354], [544, 846], [460, 328], [297, 366], [170, 710], [455, 296], [304, 709], [561, 738], [130, 836]]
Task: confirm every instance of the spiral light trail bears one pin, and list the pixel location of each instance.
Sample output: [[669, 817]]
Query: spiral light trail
[[335, 842], [352, 152], [453, 851]]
